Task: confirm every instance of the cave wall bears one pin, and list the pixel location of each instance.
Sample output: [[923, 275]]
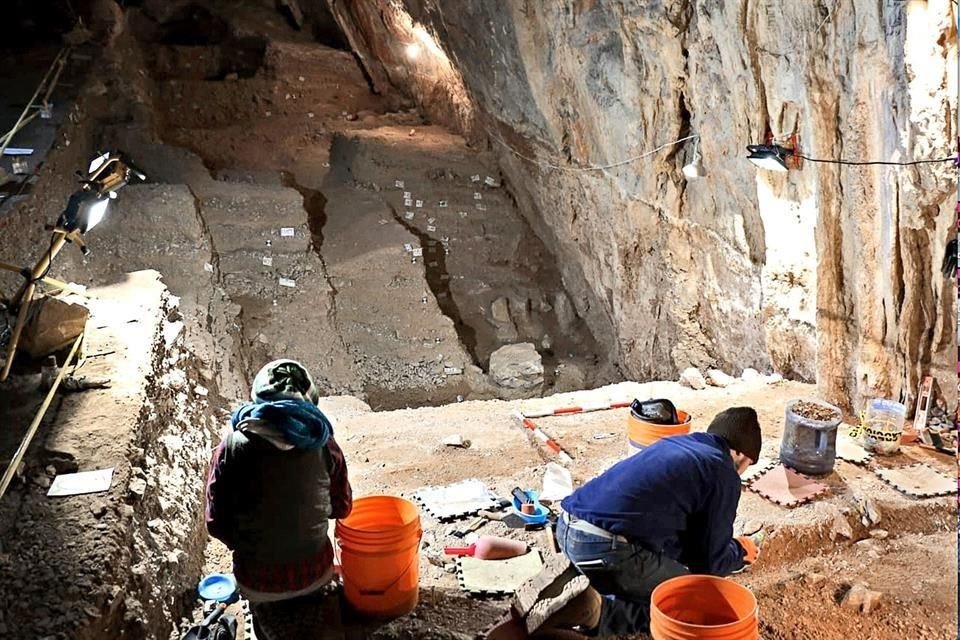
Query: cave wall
[[827, 273]]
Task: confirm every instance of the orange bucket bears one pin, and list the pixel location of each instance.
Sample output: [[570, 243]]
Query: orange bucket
[[380, 556], [699, 607], [642, 434]]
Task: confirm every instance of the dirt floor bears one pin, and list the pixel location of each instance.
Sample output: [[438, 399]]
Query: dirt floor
[[247, 128], [807, 562]]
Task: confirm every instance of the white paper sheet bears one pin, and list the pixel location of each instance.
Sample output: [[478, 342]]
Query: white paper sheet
[[73, 484]]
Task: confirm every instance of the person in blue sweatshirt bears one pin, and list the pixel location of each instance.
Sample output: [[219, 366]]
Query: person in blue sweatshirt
[[663, 512]]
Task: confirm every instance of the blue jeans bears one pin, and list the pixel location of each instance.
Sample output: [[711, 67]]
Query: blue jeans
[[625, 573]]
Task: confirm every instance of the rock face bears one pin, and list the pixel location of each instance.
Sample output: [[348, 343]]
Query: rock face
[[517, 367], [826, 272]]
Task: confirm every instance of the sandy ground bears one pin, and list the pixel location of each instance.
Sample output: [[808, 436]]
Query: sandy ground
[[803, 572]]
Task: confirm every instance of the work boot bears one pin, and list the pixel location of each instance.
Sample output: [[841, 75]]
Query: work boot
[[551, 590], [583, 611]]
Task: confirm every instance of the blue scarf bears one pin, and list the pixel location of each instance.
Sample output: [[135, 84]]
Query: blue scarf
[[302, 424]]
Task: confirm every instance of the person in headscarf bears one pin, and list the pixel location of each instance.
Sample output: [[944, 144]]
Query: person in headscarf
[[275, 482]]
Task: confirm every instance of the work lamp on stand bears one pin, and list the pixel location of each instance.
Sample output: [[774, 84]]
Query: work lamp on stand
[[85, 209]]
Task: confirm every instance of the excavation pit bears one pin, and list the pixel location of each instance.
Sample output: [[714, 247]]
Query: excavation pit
[[276, 223]]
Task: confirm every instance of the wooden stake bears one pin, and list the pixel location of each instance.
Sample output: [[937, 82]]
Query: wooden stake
[[25, 444], [17, 330], [24, 297], [39, 269], [53, 282]]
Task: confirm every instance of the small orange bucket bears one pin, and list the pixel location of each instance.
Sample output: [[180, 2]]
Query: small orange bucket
[[642, 434], [699, 607], [380, 556]]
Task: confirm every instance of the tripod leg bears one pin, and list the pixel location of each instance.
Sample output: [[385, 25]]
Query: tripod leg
[[60, 238], [18, 329]]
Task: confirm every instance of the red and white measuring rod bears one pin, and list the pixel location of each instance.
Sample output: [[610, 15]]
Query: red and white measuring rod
[[569, 410], [539, 434]]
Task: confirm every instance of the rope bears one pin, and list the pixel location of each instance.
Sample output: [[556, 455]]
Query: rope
[[588, 168]]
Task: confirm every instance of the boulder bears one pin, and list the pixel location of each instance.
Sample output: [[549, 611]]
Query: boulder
[[719, 379], [692, 378], [52, 325], [517, 366]]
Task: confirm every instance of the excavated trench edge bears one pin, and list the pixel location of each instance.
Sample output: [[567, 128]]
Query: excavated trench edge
[[438, 279], [791, 543], [315, 205]]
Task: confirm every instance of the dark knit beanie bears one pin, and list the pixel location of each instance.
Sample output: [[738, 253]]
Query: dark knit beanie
[[740, 427]]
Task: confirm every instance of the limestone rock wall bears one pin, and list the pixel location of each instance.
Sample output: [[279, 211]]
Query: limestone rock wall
[[830, 272]]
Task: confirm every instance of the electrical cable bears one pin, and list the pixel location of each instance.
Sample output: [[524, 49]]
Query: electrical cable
[[588, 168], [873, 162]]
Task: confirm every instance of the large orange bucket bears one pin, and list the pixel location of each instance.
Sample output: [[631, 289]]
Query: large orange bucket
[[641, 434], [380, 556], [703, 608]]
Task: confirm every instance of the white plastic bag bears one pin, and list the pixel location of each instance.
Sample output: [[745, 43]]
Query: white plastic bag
[[557, 483]]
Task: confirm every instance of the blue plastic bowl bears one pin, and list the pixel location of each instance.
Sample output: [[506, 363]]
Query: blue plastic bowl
[[218, 587], [537, 518]]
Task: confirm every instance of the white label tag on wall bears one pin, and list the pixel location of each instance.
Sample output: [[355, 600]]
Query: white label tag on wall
[[398, 184], [490, 182], [407, 195], [287, 232], [430, 227], [267, 261], [475, 178], [431, 220], [407, 202], [287, 282], [417, 252], [443, 204], [463, 214], [478, 196], [208, 267], [408, 215], [419, 203], [480, 207]]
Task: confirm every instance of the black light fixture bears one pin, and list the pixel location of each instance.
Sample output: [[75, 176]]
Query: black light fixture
[[84, 211], [772, 157]]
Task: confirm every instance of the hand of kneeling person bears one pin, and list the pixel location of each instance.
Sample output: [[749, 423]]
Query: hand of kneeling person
[[750, 548]]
